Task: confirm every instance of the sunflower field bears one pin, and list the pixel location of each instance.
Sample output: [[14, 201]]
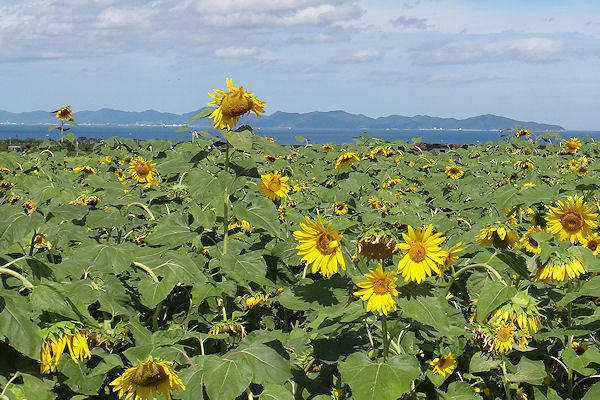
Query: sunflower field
[[233, 267]]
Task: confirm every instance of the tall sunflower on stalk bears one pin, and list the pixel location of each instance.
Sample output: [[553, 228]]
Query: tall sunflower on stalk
[[320, 246], [378, 290], [64, 115], [232, 104], [143, 171], [274, 186]]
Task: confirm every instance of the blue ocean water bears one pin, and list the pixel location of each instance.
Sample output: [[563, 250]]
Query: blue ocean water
[[281, 136]]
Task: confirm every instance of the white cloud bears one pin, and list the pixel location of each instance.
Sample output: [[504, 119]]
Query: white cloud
[[234, 52], [528, 49], [362, 55]]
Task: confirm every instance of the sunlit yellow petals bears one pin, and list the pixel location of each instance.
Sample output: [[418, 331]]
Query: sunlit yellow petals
[[560, 269], [64, 113], [340, 208], [504, 337], [148, 377], [454, 171], [86, 170], [46, 365], [422, 253], [443, 364], [319, 246], [143, 170], [274, 186], [572, 145], [592, 242], [528, 243], [572, 219], [498, 236], [232, 105], [346, 160], [378, 290]]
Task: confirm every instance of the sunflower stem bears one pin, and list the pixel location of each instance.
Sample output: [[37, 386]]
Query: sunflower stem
[[147, 269], [226, 202], [249, 393], [472, 266], [505, 379], [17, 275], [386, 339], [155, 317], [9, 382], [568, 288], [143, 206]]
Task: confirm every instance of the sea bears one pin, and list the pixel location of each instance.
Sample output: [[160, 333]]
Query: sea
[[281, 135]]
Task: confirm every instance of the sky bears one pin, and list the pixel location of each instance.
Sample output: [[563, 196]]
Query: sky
[[529, 60]]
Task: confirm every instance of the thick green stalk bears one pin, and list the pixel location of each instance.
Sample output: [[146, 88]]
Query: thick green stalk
[[386, 339], [505, 379], [226, 202]]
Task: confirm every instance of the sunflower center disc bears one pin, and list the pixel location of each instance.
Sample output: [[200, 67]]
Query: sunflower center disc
[[592, 245], [417, 252], [504, 334], [571, 222], [143, 170], [380, 286], [274, 186], [235, 105], [323, 244]]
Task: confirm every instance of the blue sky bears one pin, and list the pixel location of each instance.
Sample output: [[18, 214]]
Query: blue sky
[[528, 60]]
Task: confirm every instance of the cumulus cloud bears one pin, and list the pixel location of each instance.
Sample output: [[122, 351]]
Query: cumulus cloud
[[234, 52], [410, 23], [359, 56], [529, 49]]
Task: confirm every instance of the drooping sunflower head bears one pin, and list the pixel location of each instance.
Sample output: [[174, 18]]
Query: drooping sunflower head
[[592, 242], [85, 170], [64, 113], [422, 253], [340, 208], [499, 236], [391, 183], [572, 219], [377, 152], [232, 105], [274, 186], [6, 185], [327, 147], [29, 206], [444, 364], [522, 309], [528, 243], [376, 244], [378, 290], [450, 257], [582, 170], [320, 246], [347, 159], [572, 145], [148, 377], [504, 337], [560, 268], [143, 170], [579, 348], [57, 337], [524, 164], [522, 133], [272, 158], [454, 171]]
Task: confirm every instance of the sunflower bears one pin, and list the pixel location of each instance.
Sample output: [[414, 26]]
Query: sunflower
[[377, 152], [245, 225], [64, 113], [5, 170], [320, 246], [529, 244], [327, 147], [376, 244], [560, 268], [391, 183], [571, 219], [498, 236], [422, 253], [572, 145], [450, 257], [524, 165], [592, 242], [346, 160], [86, 170], [573, 165], [579, 348], [142, 170], [504, 337], [29, 206], [148, 377], [444, 364], [120, 175], [582, 170], [269, 139], [523, 309], [454, 171], [340, 208], [58, 337], [272, 158], [232, 105], [379, 290], [274, 186], [522, 133], [6, 185]]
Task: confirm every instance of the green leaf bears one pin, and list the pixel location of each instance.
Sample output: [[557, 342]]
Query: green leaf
[[589, 288], [15, 225], [373, 380], [244, 268], [268, 362], [276, 392], [260, 213], [36, 388], [82, 379], [107, 218], [205, 112], [227, 378], [241, 140], [461, 391], [579, 363], [528, 371], [483, 362], [153, 293], [593, 393], [172, 230], [193, 379], [493, 295], [16, 326], [426, 310]]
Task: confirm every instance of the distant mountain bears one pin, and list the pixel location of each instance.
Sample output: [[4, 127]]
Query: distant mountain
[[280, 119]]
